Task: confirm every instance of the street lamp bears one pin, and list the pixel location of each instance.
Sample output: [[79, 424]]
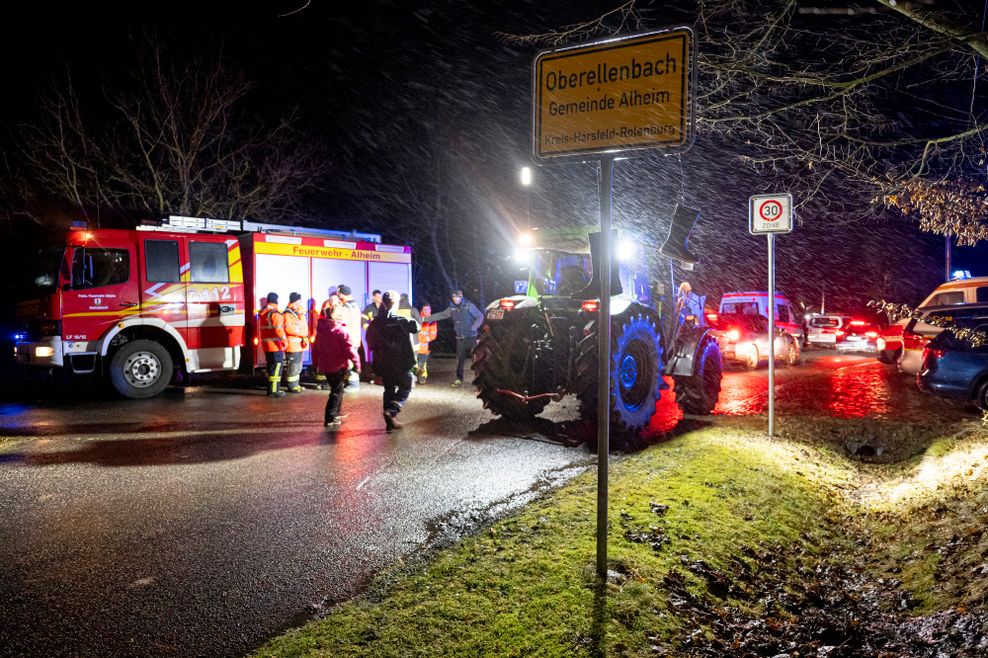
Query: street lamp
[[526, 182]]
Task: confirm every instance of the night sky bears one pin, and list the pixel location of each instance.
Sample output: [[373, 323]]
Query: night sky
[[374, 83]]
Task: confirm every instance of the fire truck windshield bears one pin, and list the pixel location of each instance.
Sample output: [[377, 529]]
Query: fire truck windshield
[[44, 276]]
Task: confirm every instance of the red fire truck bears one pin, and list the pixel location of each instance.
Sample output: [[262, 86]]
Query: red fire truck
[[140, 306]]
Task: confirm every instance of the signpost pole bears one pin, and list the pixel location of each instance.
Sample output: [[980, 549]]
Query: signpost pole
[[603, 362], [771, 334]]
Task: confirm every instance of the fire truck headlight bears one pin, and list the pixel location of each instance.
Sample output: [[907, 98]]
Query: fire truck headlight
[[44, 351]]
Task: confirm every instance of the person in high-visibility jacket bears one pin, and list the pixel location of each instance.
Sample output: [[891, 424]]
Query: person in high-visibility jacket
[[273, 342], [427, 333], [297, 332]]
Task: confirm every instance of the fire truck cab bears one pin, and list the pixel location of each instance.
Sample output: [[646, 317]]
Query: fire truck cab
[[139, 305]]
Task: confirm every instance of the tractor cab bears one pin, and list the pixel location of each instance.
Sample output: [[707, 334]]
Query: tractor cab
[[561, 266]]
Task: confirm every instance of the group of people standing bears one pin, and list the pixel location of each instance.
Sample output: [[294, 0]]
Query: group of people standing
[[396, 346]]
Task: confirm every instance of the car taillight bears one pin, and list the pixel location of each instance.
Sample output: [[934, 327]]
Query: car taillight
[[733, 335], [590, 306], [712, 317], [839, 332], [507, 304], [858, 323], [880, 344], [913, 341], [934, 354], [871, 334], [256, 341]]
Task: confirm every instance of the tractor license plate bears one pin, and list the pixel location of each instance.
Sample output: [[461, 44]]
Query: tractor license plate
[[495, 314]]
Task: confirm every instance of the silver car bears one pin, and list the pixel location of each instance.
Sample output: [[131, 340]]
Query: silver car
[[918, 334], [743, 339]]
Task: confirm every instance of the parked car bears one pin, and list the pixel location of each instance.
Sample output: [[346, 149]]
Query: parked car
[[972, 290], [743, 339], [917, 334], [953, 368], [859, 336], [756, 303], [825, 329]]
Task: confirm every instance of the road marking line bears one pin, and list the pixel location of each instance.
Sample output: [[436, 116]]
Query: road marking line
[[363, 482]]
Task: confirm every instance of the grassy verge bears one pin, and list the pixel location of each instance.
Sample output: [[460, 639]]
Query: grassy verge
[[684, 516], [926, 525]]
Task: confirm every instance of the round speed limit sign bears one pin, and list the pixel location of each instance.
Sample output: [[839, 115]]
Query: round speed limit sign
[[770, 213]]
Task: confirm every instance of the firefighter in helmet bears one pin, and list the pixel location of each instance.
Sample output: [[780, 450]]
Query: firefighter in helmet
[[273, 342], [297, 332]]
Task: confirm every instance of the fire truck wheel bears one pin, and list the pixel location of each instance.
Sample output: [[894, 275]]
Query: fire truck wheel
[[498, 364], [697, 394], [141, 369]]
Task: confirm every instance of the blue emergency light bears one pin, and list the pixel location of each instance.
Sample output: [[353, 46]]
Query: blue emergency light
[[960, 274]]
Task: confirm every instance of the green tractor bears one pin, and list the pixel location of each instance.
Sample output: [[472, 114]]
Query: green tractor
[[538, 347]]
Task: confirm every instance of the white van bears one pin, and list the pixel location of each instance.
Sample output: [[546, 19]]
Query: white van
[[756, 303], [961, 291]]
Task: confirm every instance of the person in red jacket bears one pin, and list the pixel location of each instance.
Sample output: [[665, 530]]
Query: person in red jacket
[[333, 358]]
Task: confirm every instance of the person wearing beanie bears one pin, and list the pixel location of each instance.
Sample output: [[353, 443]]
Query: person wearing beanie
[[350, 318], [273, 338], [467, 319], [388, 339], [297, 332], [333, 359]]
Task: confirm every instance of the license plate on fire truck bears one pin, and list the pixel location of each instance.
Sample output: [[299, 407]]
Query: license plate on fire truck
[[495, 314]]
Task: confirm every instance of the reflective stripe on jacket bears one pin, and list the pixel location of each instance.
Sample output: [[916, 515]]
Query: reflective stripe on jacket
[[427, 333], [272, 330], [295, 329]]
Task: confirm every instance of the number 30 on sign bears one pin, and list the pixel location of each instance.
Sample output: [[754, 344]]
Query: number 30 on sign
[[770, 213]]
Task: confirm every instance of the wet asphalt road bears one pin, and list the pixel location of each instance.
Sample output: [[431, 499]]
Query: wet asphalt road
[[205, 521]]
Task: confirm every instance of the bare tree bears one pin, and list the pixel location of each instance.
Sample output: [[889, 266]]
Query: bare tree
[[866, 103], [173, 139]]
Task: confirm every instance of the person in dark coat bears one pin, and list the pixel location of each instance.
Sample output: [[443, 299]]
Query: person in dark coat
[[467, 319], [388, 337], [333, 358]]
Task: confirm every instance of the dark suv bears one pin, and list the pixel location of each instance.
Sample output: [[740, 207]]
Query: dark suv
[[952, 368]]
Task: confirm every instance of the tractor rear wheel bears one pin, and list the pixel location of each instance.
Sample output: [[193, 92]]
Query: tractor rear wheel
[[697, 394], [500, 363], [636, 355]]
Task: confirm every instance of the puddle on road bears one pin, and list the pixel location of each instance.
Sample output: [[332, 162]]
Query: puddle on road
[[832, 386]]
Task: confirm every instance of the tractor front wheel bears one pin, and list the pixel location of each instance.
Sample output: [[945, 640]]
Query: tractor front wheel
[[697, 394]]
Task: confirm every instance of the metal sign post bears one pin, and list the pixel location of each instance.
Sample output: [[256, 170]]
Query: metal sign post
[[604, 363], [769, 214], [598, 100]]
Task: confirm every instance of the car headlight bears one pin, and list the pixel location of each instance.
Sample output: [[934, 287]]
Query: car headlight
[[44, 351]]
